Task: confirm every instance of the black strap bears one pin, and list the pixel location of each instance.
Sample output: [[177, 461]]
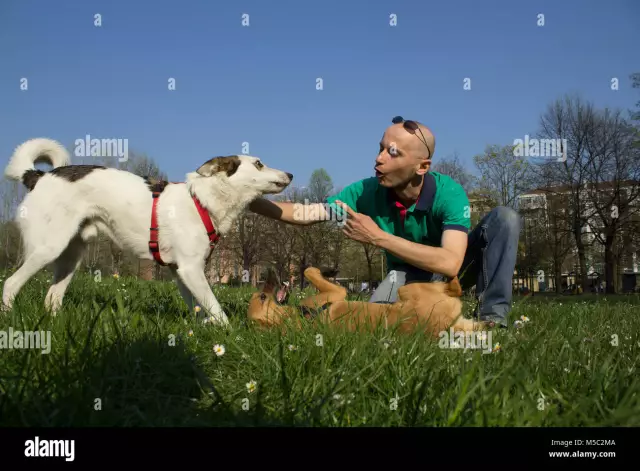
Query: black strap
[[311, 313]]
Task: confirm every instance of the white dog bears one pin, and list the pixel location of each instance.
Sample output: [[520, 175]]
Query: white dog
[[68, 206]]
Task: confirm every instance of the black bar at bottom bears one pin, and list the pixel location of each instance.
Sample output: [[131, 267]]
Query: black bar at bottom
[[472, 448]]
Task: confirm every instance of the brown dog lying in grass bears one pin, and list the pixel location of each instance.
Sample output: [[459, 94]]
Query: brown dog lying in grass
[[433, 307]]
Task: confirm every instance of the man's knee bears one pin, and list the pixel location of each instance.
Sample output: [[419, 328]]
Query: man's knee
[[507, 219], [388, 289]]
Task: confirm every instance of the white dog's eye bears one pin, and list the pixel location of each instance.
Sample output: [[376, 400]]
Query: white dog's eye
[[259, 164]]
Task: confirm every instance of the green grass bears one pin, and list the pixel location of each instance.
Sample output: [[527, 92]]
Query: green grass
[[113, 363]]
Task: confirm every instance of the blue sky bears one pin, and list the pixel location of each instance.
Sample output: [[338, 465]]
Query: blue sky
[[257, 84]]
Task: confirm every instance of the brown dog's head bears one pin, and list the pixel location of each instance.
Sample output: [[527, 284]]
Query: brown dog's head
[[263, 307]]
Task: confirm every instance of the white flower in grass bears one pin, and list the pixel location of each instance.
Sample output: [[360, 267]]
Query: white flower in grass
[[292, 348], [219, 350], [209, 320], [251, 386], [339, 399], [524, 319], [190, 334]]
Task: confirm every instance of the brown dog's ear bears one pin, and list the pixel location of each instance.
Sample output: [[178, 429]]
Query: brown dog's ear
[[228, 164], [271, 282], [453, 288]]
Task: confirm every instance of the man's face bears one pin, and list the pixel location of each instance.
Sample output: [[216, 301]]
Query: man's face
[[401, 157]]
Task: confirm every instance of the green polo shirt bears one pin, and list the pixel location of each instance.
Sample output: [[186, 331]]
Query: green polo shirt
[[442, 205]]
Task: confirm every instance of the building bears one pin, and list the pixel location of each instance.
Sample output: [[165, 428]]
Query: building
[[547, 219]]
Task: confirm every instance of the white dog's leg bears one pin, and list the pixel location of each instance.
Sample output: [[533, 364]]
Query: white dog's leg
[[64, 268], [36, 261], [184, 291], [196, 282]]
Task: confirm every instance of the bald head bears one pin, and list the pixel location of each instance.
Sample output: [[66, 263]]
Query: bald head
[[413, 142]]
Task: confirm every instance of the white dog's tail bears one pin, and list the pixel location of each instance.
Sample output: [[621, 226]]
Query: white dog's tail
[[35, 151]]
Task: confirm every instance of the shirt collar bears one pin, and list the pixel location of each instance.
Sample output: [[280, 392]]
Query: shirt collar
[[427, 194]]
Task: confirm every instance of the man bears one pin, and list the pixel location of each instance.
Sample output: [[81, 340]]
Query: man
[[421, 219]]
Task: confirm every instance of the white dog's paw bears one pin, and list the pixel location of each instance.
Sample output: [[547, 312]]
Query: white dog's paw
[[52, 308], [5, 308], [219, 320]]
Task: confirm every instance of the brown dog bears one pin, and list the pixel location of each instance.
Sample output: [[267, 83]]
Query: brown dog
[[433, 307]]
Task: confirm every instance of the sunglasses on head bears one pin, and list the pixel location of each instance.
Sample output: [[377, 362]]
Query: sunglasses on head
[[411, 127]]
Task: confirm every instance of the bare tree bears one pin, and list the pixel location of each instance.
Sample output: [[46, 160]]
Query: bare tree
[[613, 174], [371, 252], [504, 176], [635, 83], [315, 241], [246, 241], [452, 167], [573, 120], [12, 193], [280, 247]]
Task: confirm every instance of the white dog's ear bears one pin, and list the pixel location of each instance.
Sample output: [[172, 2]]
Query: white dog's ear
[[228, 164]]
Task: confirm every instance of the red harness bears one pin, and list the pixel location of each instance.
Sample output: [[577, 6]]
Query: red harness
[[154, 247]]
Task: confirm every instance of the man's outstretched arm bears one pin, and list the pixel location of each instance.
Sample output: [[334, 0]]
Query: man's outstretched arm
[[291, 213]]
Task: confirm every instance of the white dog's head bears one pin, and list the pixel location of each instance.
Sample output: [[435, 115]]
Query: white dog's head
[[246, 172]]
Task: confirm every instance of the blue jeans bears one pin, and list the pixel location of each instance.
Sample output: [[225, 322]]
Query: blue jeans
[[488, 264]]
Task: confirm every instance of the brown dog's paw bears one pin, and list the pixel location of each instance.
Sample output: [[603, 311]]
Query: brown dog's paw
[[311, 271], [329, 272]]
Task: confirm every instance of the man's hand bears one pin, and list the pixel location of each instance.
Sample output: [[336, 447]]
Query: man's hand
[[360, 227], [445, 260]]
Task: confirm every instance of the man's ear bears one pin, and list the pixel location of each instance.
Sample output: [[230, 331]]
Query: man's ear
[[425, 166], [228, 164]]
